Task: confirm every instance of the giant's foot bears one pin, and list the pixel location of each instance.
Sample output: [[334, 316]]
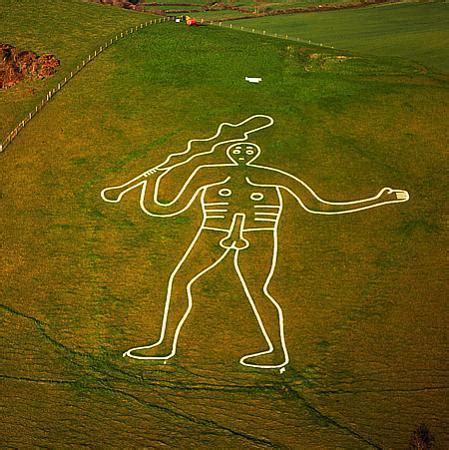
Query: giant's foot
[[158, 351], [265, 360]]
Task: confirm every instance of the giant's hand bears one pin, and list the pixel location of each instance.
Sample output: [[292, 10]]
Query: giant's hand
[[114, 194], [390, 195], [226, 133]]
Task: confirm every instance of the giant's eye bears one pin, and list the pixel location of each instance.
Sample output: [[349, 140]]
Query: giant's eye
[[250, 152], [236, 152]]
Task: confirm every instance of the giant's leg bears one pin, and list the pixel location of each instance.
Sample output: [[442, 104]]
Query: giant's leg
[[255, 267], [203, 254]]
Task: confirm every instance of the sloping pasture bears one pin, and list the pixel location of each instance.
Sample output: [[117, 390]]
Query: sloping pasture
[[417, 31], [364, 295], [69, 29]]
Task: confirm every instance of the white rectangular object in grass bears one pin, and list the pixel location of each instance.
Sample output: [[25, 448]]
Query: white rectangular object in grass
[[253, 80]]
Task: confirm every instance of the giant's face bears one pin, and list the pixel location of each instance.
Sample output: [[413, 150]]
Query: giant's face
[[243, 153]]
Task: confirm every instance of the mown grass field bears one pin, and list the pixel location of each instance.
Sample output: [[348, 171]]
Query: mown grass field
[[69, 29], [218, 15], [247, 8], [364, 295], [418, 31]]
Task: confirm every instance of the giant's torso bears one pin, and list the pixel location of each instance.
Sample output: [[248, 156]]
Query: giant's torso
[[261, 206]]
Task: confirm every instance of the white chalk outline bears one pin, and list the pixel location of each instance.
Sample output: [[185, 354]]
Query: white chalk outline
[[133, 182], [234, 235]]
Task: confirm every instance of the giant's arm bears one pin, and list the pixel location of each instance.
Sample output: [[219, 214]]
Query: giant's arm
[[196, 148], [313, 203], [201, 178]]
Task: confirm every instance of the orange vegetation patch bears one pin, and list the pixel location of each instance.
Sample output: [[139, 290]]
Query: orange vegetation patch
[[16, 65]]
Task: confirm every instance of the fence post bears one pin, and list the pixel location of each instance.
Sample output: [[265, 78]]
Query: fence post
[[53, 91]]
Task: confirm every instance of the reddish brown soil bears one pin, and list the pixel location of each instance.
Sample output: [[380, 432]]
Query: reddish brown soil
[[121, 3], [17, 65]]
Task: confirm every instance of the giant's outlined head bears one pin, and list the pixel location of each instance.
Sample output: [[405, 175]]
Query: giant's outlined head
[[243, 153]]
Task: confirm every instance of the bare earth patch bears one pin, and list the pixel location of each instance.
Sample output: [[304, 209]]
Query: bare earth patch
[[17, 65]]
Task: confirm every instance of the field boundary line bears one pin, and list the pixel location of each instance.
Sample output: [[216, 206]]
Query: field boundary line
[[284, 36], [4, 143]]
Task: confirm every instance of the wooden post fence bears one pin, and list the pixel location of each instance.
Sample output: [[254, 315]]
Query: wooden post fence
[[50, 94]]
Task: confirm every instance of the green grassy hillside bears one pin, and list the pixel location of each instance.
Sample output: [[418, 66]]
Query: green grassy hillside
[[364, 295], [69, 29], [200, 10], [419, 31]]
